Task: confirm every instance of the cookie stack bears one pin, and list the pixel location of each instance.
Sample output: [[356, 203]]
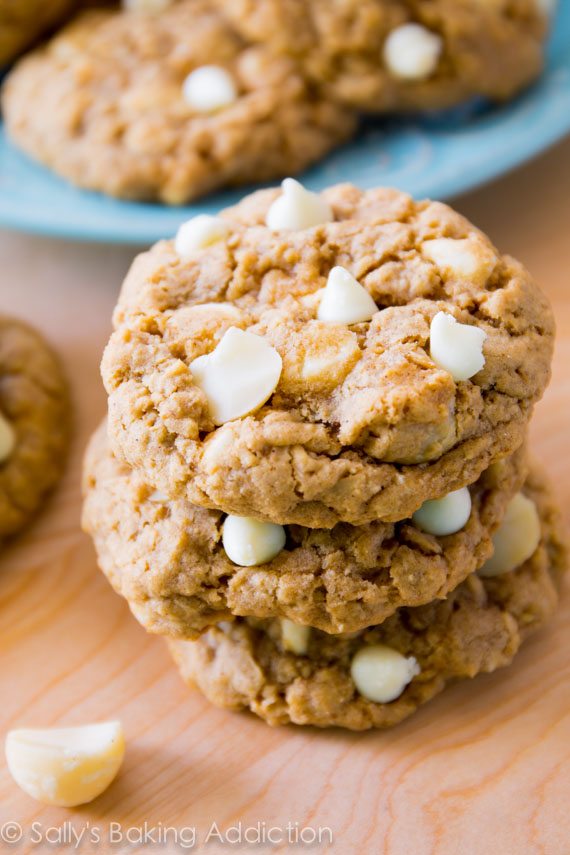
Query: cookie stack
[[313, 479]]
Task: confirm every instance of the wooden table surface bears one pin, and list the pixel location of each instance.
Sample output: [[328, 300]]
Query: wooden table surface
[[485, 768]]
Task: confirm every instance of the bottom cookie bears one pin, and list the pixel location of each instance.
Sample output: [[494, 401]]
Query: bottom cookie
[[478, 628]]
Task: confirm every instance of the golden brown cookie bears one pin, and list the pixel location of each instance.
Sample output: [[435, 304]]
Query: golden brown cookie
[[478, 628], [110, 106], [401, 55], [369, 418], [22, 22], [34, 423], [169, 560]]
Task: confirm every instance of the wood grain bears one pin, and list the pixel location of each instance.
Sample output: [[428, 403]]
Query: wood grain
[[484, 768]]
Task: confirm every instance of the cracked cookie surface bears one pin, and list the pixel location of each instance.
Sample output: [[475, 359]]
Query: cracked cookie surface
[[363, 425], [167, 558], [103, 106], [35, 409], [477, 629], [487, 49]]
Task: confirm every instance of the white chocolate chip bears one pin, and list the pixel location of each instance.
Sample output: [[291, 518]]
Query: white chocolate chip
[[381, 674], [444, 516], [158, 498], [152, 6], [200, 232], [516, 538], [209, 88], [66, 766], [297, 208], [7, 439], [249, 542], [295, 637], [412, 52], [344, 300], [238, 376], [469, 258], [455, 347]]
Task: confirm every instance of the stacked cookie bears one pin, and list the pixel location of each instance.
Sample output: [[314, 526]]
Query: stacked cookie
[[167, 101], [313, 478]]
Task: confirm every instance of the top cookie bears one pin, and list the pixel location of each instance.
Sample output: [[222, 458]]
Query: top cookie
[[398, 55], [34, 423], [335, 405], [166, 107]]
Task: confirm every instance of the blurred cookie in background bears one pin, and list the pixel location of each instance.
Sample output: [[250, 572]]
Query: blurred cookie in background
[[35, 418], [166, 106], [404, 55]]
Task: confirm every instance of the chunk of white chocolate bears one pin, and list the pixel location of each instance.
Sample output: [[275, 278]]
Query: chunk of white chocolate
[[249, 542], [209, 88], [7, 438], [151, 6], [516, 538], [444, 516], [295, 637], [66, 766], [198, 233], [297, 208], [381, 674], [455, 347], [327, 366], [344, 300], [238, 376], [411, 52], [468, 258]]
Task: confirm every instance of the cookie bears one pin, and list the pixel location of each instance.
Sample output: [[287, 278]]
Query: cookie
[[166, 107], [332, 395], [22, 22], [180, 569], [379, 677], [34, 423], [400, 55]]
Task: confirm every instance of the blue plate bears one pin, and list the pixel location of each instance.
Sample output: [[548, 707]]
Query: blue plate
[[438, 156]]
